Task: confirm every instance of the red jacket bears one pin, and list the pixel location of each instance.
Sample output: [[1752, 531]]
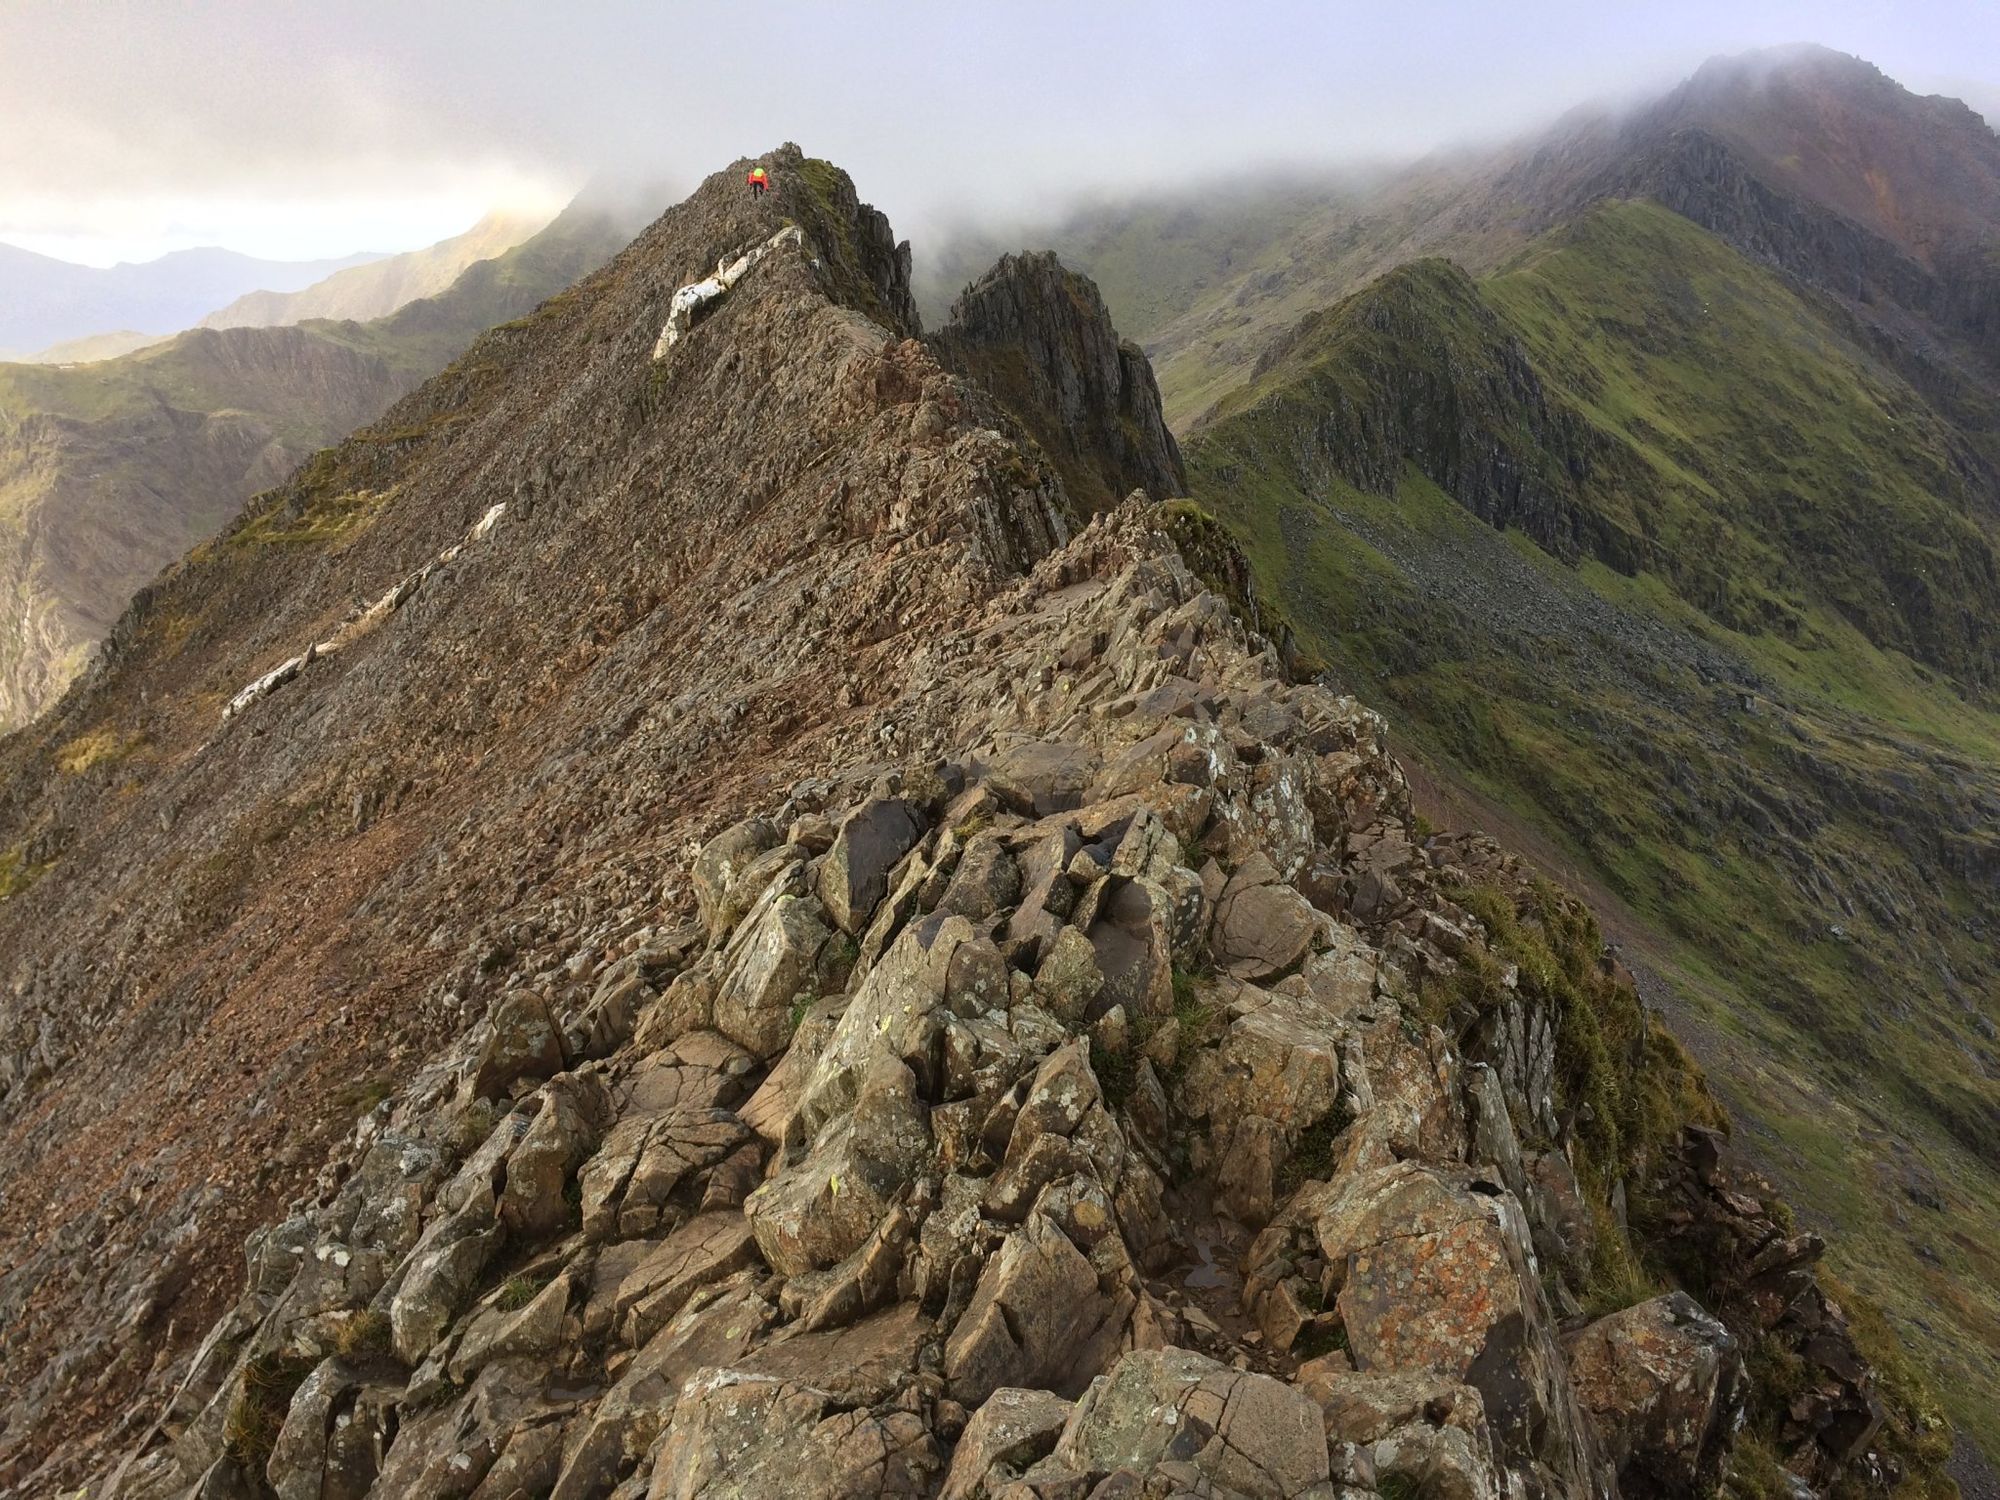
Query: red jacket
[[758, 174]]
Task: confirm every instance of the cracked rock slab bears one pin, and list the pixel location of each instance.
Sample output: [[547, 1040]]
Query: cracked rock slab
[[1249, 1434]]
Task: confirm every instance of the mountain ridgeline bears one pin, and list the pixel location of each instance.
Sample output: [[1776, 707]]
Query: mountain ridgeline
[[51, 301], [731, 898], [375, 290]]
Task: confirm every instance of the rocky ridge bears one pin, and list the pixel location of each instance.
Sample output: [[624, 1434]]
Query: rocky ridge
[[1062, 1117], [872, 987], [1037, 335]]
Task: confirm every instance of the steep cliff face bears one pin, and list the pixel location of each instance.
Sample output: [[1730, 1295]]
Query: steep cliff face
[[1419, 370], [707, 935], [1921, 172], [1038, 337]]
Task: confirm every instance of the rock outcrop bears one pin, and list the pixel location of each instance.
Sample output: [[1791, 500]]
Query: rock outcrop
[[1038, 337]]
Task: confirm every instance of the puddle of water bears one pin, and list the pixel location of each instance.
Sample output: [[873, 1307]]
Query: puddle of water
[[1211, 1273]]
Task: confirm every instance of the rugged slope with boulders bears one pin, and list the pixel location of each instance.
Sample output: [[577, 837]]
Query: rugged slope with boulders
[[703, 929]]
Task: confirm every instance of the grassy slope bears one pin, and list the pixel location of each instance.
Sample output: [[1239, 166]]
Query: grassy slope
[[1730, 741]]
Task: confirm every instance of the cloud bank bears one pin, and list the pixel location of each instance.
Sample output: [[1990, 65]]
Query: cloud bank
[[324, 127]]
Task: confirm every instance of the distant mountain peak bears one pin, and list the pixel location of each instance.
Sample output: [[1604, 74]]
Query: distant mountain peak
[[380, 287]]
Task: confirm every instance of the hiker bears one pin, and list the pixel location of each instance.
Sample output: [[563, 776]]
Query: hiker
[[760, 182]]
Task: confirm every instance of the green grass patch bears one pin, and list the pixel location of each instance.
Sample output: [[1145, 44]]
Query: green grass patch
[[324, 520], [521, 1290], [17, 872], [365, 1335], [98, 747]]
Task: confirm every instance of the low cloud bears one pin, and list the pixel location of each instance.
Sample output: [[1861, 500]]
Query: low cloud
[[141, 121]]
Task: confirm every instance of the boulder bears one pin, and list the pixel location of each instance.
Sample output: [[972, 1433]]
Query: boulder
[[1413, 1432], [653, 1170], [1261, 928], [1036, 1301], [1246, 1434], [854, 874], [535, 1202], [524, 1042], [717, 1326], [335, 1435], [498, 1331], [1012, 1430], [706, 1249], [722, 859], [1432, 1270], [818, 1211], [440, 1275], [1565, 1229], [859, 1284], [502, 1436], [768, 965], [1037, 778], [1279, 1062], [1662, 1381], [1494, 1142], [861, 1364], [1127, 923], [742, 1435], [986, 882]]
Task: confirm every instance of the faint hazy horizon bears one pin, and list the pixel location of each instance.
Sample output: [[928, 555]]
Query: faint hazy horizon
[[129, 130]]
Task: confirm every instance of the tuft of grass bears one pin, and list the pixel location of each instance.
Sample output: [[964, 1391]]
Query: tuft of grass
[[366, 1335], [325, 519], [1916, 1427], [520, 1290], [1117, 1072], [362, 1096], [1754, 1471], [17, 872], [1311, 1156], [1317, 1342], [258, 1412]]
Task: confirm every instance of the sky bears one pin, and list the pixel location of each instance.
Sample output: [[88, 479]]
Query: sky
[[307, 128]]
